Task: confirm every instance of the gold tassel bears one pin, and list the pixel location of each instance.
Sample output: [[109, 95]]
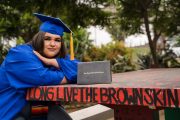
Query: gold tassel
[[71, 47]]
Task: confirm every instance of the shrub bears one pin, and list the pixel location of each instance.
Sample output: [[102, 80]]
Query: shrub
[[119, 56]]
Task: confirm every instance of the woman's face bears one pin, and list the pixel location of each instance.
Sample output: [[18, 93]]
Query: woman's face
[[52, 45]]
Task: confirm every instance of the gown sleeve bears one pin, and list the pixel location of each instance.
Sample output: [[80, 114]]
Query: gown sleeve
[[25, 70], [69, 68]]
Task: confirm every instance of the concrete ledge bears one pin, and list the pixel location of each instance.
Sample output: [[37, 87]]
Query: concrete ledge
[[96, 112]]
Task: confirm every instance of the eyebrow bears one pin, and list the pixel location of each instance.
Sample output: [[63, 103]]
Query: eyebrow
[[51, 37]]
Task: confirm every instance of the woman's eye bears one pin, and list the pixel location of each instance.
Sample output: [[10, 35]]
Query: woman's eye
[[58, 40], [47, 38]]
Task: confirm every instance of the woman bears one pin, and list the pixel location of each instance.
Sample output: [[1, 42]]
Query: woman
[[41, 62]]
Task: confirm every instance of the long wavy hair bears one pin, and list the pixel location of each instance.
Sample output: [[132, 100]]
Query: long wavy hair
[[38, 45]]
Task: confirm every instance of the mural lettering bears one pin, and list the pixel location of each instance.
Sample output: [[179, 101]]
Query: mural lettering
[[128, 96]]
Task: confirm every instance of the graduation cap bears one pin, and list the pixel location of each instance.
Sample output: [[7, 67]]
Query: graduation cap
[[55, 26]]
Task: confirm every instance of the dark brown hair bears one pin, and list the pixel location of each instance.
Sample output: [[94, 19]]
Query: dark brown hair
[[38, 45]]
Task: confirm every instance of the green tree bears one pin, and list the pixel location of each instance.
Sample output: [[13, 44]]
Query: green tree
[[114, 28], [17, 18], [162, 15]]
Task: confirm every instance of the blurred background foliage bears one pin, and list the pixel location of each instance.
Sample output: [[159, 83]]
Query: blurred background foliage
[[119, 56], [120, 18], [17, 16], [4, 48]]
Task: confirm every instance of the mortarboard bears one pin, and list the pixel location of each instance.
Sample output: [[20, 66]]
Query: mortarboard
[[55, 26]]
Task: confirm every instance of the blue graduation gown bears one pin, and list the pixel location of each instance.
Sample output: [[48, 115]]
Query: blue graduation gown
[[69, 68], [22, 69]]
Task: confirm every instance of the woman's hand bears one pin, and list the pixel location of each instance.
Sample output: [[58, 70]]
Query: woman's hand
[[64, 81], [47, 61]]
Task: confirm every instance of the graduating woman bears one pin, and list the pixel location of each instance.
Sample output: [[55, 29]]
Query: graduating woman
[[41, 62]]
